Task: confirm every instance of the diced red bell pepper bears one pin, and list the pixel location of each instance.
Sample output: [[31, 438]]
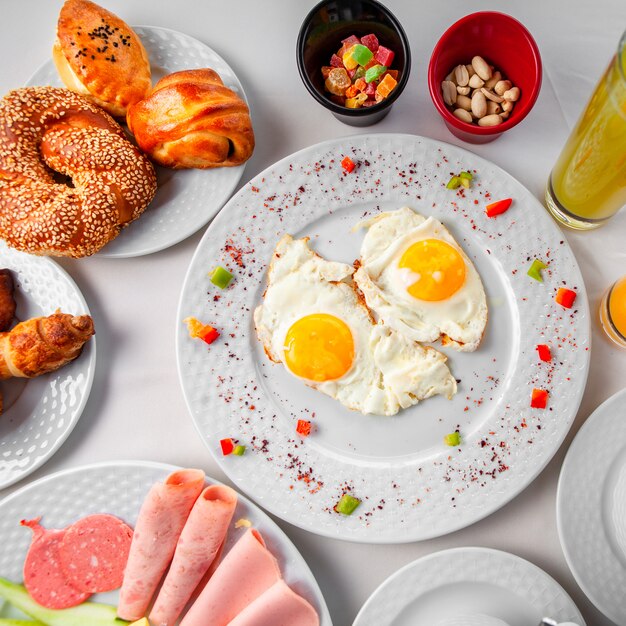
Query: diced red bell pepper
[[348, 164], [209, 335], [336, 61], [565, 297], [384, 56], [227, 446], [371, 41], [499, 207], [539, 399], [544, 352], [303, 428]]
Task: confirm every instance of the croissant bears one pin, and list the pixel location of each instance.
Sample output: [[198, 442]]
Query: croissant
[[7, 300], [43, 344], [190, 119]]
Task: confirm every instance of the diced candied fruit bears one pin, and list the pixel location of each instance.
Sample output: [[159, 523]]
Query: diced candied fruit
[[348, 59], [326, 71], [336, 61], [361, 54], [359, 72], [351, 91], [338, 81], [392, 73], [372, 63], [369, 103], [370, 90], [360, 84], [384, 56], [350, 41], [386, 85], [374, 73], [371, 41]]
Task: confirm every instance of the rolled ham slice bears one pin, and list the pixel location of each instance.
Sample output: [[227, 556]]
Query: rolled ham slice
[[196, 550], [278, 606], [248, 570], [161, 520]]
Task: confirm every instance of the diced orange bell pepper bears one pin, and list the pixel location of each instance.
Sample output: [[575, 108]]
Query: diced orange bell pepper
[[539, 399]]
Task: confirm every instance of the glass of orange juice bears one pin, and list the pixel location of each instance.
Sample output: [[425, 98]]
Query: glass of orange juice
[[613, 312], [588, 183]]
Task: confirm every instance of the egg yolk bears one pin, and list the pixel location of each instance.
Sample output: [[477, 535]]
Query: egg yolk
[[319, 347], [439, 268]]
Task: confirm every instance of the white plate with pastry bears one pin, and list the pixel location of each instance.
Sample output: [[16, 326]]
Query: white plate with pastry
[[119, 489], [591, 507], [186, 199], [468, 587], [39, 413], [389, 452]]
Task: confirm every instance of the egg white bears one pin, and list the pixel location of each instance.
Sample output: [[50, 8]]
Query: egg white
[[389, 371], [459, 320]]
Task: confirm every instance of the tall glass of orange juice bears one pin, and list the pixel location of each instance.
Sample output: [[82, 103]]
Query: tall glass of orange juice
[[588, 183], [613, 312]]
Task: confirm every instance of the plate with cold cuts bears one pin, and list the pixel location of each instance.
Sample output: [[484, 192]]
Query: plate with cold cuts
[[82, 500], [369, 438], [185, 199]]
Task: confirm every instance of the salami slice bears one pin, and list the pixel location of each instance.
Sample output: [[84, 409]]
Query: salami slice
[[94, 552], [43, 576]]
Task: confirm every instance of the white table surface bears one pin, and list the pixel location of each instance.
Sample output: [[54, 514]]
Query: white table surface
[[136, 409]]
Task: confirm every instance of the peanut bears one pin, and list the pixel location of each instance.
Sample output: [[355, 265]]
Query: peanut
[[493, 108], [461, 75], [479, 104], [448, 89], [490, 120], [481, 68], [464, 102], [512, 95], [502, 85], [507, 106], [476, 82], [463, 115], [464, 91], [491, 96]]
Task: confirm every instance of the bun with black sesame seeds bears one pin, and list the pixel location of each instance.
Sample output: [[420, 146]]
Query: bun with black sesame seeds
[[49, 136], [99, 56]]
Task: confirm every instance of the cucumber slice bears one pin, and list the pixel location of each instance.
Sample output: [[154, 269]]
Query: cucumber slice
[[90, 613]]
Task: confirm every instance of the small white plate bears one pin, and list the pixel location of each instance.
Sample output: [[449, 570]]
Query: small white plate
[[40, 413], [411, 485], [186, 199], [591, 508], [119, 488], [468, 581]]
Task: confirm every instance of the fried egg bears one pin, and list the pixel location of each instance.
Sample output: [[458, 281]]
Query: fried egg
[[417, 280], [313, 321]]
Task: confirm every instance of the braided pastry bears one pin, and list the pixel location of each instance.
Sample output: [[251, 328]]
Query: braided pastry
[[190, 119], [44, 129], [43, 344]]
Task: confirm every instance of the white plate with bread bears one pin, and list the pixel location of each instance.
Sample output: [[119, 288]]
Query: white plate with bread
[[41, 404], [186, 199]]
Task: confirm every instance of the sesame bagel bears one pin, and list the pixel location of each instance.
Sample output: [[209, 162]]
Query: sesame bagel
[[44, 132]]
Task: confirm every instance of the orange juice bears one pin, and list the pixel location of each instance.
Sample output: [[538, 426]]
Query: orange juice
[[613, 312], [588, 183]]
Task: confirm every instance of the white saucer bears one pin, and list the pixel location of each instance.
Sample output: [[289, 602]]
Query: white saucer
[[591, 508], [451, 584]]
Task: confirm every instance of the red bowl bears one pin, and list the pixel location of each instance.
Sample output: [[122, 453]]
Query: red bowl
[[503, 42]]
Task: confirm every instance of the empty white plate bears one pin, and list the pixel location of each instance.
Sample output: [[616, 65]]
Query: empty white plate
[[591, 508], [463, 584]]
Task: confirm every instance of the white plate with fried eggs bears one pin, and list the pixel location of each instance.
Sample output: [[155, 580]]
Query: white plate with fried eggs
[[484, 326]]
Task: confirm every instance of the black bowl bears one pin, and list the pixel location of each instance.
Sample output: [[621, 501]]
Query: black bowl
[[320, 36]]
